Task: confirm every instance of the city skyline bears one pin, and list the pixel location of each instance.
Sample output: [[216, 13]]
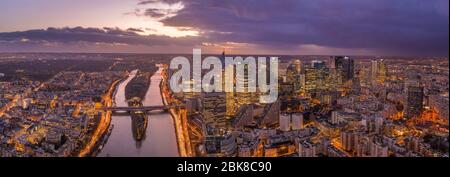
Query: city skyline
[[231, 78], [399, 28]]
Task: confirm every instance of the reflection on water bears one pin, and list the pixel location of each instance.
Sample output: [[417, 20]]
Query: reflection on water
[[155, 131]]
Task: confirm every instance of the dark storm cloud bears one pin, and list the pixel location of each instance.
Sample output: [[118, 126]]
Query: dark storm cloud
[[392, 26], [93, 35], [385, 27]]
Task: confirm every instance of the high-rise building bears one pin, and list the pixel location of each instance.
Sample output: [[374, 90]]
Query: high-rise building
[[412, 78], [378, 148], [244, 116], [298, 66], [374, 69], [223, 145], [297, 121], [302, 80], [290, 73], [318, 64], [306, 149], [222, 59], [439, 103], [293, 72], [245, 96], [230, 95], [378, 124], [358, 146], [193, 105], [214, 109], [356, 85], [414, 102], [335, 117], [345, 65], [285, 122], [231, 104], [378, 71], [334, 80], [287, 91], [290, 121], [272, 114], [314, 79], [347, 140], [311, 76], [382, 71], [351, 68]]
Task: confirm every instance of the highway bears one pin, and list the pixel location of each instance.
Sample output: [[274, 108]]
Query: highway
[[183, 140]]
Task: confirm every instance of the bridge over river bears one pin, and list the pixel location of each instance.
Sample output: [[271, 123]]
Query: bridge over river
[[158, 139], [130, 109]]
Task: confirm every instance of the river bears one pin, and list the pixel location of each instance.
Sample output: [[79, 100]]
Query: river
[[160, 139]]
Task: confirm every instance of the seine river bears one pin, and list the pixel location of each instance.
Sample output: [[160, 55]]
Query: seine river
[[160, 138]]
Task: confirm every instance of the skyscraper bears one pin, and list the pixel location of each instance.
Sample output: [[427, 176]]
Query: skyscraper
[[311, 79], [347, 140], [318, 64], [246, 96], [373, 69], [285, 122], [297, 121], [378, 71], [298, 66], [293, 72], [382, 71], [214, 105], [315, 79], [349, 72], [334, 79], [230, 95], [345, 65], [414, 102]]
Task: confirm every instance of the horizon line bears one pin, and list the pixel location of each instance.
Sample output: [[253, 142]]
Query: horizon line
[[142, 53]]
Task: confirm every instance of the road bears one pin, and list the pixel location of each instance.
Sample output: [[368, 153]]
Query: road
[[184, 143], [337, 144], [103, 124]]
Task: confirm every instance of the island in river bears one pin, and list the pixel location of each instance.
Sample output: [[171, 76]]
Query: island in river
[[135, 93]]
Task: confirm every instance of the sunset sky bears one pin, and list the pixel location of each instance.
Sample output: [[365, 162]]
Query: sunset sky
[[304, 27]]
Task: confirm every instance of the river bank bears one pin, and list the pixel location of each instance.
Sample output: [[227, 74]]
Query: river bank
[[180, 122], [103, 126]]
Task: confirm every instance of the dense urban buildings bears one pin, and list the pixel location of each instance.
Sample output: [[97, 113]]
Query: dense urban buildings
[[351, 78], [333, 106]]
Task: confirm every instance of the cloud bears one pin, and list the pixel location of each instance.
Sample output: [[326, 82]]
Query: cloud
[[155, 13], [135, 30], [383, 27], [144, 2], [87, 39], [158, 9], [389, 26], [94, 35]]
